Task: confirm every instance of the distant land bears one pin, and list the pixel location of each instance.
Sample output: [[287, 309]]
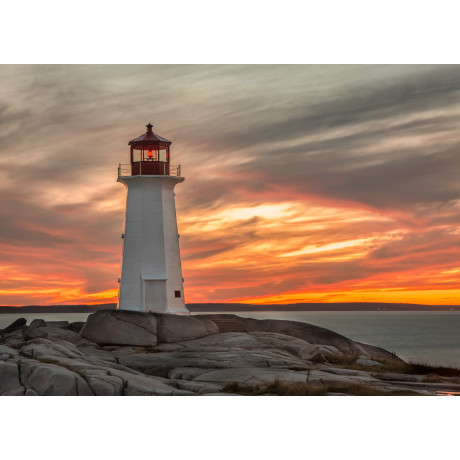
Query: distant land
[[351, 306], [240, 307], [58, 308]]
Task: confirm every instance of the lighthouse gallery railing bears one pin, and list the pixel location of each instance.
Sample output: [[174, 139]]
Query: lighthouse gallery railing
[[126, 170]]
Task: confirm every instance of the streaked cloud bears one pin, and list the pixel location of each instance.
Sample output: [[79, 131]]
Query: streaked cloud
[[303, 183]]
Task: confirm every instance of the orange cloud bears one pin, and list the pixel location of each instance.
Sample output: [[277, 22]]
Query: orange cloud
[[300, 187]]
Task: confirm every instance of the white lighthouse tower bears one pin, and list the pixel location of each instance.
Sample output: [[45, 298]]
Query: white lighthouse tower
[[151, 274]]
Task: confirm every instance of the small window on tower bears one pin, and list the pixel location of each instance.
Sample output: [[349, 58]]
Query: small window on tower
[[177, 293]]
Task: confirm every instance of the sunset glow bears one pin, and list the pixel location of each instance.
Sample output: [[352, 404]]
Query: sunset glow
[[302, 184]]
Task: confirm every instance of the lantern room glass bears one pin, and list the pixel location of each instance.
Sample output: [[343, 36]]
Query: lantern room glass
[[150, 153], [150, 159]]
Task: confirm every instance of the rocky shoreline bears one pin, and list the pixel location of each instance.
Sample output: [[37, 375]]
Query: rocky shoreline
[[129, 353]]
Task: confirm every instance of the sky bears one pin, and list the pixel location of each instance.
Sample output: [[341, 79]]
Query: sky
[[303, 183]]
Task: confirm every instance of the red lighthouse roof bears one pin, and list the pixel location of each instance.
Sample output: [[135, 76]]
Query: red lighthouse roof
[[149, 137]]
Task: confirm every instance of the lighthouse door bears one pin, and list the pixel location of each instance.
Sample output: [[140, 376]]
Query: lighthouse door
[[155, 296]]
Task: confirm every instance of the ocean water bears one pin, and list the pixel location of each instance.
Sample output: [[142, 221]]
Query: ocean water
[[424, 337]]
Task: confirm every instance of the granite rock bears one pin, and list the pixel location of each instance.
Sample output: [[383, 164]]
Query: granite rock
[[308, 332], [319, 377], [8, 351], [14, 326], [105, 385], [251, 376], [51, 333], [132, 353], [45, 348], [76, 326], [48, 379], [10, 384], [121, 327], [177, 328]]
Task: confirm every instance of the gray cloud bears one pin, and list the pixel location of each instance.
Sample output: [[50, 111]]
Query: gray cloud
[[380, 137]]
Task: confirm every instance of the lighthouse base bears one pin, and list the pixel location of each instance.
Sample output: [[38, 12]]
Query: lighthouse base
[[154, 298], [173, 311]]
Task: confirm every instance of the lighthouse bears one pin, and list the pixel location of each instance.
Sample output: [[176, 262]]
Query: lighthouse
[[151, 274]]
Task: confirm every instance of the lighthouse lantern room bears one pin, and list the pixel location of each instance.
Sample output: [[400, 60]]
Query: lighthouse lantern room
[[151, 274]]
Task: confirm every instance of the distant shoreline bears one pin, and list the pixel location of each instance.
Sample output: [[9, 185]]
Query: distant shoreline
[[58, 308], [238, 307]]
